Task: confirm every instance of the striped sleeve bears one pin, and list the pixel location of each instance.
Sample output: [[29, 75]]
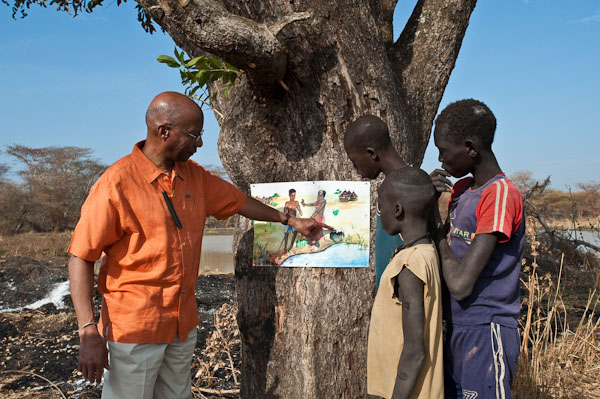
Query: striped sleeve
[[500, 210]]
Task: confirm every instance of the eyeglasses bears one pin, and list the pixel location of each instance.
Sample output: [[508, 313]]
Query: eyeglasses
[[197, 138]]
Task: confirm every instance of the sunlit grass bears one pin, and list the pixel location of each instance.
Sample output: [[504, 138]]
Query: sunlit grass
[[556, 361]]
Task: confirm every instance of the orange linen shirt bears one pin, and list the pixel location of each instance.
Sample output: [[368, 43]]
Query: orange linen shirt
[[148, 281]]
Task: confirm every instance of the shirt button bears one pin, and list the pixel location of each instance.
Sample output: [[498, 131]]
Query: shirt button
[[185, 244], [183, 291]]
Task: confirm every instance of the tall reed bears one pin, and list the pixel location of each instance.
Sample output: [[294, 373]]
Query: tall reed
[[555, 361]]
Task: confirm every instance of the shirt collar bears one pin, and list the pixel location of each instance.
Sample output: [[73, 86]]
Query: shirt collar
[[148, 169]]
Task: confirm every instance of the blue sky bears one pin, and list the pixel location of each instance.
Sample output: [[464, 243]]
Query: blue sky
[[86, 81]]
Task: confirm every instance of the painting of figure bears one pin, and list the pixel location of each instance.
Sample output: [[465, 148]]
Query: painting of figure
[[343, 205]]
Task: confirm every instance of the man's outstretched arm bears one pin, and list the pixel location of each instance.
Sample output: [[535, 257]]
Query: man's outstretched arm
[[256, 210], [93, 355]]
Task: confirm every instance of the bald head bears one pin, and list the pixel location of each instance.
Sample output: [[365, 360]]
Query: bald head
[[171, 109], [412, 187], [367, 131]]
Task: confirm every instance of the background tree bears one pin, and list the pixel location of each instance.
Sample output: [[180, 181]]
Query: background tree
[[590, 198], [13, 206], [523, 180], [310, 67], [55, 182]]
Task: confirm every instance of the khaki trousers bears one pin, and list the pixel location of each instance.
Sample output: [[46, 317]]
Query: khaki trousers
[[150, 371]]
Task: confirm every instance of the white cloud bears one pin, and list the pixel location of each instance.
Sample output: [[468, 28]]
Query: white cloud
[[591, 18]]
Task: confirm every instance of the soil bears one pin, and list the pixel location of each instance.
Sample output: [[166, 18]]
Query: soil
[[39, 347]]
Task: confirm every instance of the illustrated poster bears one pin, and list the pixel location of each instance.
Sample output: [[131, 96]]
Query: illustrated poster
[[344, 205]]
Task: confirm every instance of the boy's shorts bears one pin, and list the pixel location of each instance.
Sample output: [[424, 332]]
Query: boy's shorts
[[288, 229], [480, 361]]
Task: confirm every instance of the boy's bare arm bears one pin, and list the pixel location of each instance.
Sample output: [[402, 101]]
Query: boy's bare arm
[[298, 208], [409, 289], [460, 277]]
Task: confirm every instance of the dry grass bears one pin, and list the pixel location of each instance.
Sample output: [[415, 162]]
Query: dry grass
[[35, 245], [555, 361], [217, 365]]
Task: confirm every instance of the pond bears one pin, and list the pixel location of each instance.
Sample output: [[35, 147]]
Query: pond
[[588, 236], [339, 255], [217, 254]]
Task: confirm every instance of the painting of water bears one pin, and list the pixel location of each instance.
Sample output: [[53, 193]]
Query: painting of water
[[344, 205]]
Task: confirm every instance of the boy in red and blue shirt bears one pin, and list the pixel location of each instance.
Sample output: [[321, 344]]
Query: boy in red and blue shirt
[[480, 247]]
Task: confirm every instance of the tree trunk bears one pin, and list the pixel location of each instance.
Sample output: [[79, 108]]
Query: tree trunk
[[312, 67]]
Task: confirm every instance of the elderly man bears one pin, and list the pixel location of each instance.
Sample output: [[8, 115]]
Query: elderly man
[[147, 213]]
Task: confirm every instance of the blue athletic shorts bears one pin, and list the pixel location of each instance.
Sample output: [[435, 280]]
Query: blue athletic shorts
[[288, 229], [480, 361]]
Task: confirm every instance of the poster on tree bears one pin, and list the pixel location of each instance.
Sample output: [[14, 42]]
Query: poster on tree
[[344, 205]]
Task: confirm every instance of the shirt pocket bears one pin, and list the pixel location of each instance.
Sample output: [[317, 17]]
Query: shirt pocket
[[194, 210]]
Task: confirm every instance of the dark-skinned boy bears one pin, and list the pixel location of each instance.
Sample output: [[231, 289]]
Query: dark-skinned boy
[[368, 145], [480, 247], [405, 355]]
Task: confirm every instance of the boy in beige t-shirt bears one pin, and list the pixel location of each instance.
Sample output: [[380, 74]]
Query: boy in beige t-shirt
[[405, 357]]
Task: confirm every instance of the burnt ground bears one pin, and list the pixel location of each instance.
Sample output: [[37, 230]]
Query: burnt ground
[[39, 347]]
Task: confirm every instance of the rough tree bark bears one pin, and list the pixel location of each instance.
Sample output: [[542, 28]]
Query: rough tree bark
[[311, 67]]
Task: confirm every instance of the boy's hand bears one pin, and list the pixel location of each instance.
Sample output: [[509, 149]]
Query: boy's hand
[[440, 180]]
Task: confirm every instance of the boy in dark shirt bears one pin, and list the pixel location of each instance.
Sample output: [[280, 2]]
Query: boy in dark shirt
[[480, 248]]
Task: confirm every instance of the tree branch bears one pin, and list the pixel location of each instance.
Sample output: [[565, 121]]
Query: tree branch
[[557, 235], [540, 217], [208, 26], [424, 56], [386, 25], [288, 19]]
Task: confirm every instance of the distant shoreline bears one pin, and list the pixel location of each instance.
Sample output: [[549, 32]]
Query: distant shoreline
[[219, 231]]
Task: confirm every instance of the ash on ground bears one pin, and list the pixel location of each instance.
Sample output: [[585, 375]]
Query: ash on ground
[[39, 347]]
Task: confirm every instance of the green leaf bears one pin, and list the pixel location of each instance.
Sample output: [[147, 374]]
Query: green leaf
[[229, 66], [170, 61], [215, 63], [202, 77], [201, 65], [193, 91], [215, 76], [193, 62], [179, 56], [225, 92]]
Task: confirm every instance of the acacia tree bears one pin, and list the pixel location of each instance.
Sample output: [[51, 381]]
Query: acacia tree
[[310, 67], [56, 181]]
